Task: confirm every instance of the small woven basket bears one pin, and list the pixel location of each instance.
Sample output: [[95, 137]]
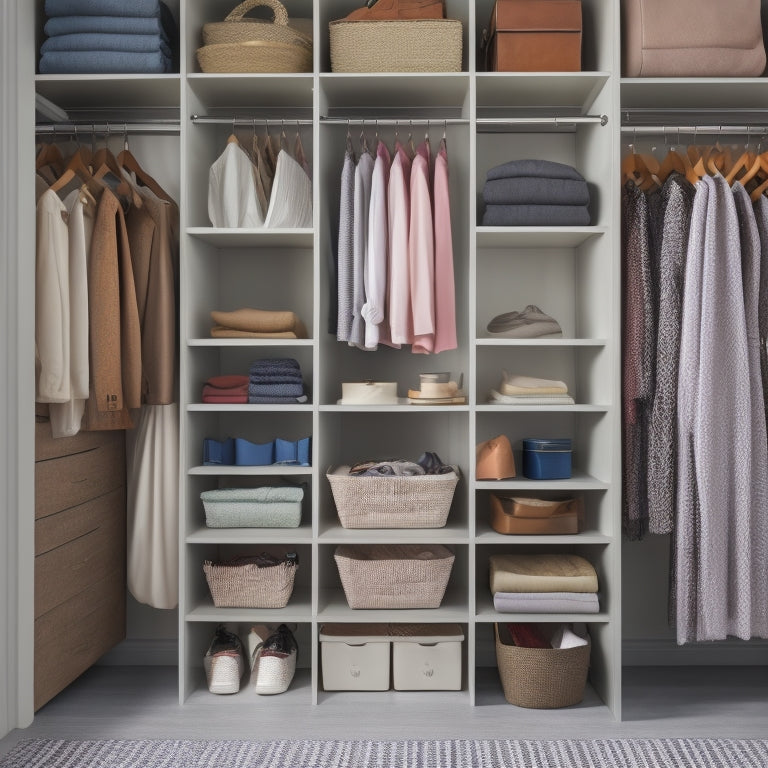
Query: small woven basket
[[417, 501], [417, 45], [541, 678], [237, 29], [255, 56], [394, 575], [240, 583]]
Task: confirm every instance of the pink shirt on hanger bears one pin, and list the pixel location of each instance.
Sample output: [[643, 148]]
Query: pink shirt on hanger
[[445, 291], [399, 293]]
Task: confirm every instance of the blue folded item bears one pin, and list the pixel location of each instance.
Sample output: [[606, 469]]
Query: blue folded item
[[104, 63], [105, 42], [275, 378], [248, 454], [295, 452], [102, 7], [107, 25], [278, 390], [218, 452], [275, 400], [275, 364]]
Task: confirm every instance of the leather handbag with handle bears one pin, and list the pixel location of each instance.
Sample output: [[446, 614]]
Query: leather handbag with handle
[[692, 38]]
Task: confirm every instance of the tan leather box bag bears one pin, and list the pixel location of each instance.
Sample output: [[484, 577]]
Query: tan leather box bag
[[692, 38], [534, 36]]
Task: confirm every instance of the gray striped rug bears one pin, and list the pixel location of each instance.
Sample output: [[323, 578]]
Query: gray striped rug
[[598, 753]]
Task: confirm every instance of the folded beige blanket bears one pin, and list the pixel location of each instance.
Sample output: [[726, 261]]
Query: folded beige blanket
[[222, 332], [512, 384], [261, 321], [542, 573]]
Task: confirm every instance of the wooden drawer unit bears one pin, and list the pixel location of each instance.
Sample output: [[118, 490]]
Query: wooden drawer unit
[[80, 553]]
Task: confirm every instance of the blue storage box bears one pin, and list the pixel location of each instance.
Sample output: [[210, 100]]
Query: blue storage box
[[248, 454], [218, 451], [293, 451], [547, 459]]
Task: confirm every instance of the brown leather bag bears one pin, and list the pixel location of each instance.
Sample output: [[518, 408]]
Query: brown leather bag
[[524, 516], [534, 36], [692, 38]]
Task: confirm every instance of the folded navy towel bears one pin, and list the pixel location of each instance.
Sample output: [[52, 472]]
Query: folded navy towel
[[88, 41], [272, 378], [104, 63], [541, 169], [536, 216], [257, 400], [108, 25], [276, 390], [535, 191], [269, 363], [102, 8]]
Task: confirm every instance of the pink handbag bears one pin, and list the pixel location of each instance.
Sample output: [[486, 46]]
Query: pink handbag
[[692, 38]]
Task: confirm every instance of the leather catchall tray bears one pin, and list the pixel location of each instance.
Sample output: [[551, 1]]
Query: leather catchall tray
[[524, 516], [534, 36]]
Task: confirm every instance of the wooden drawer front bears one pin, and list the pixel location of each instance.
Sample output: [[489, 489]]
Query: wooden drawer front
[[71, 480], [75, 634], [53, 531], [67, 570], [47, 447]]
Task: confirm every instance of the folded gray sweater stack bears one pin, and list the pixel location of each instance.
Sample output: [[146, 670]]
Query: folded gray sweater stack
[[535, 193]]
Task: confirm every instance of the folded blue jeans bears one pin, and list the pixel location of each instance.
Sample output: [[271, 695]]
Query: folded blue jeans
[[106, 42], [104, 63], [109, 25], [102, 7]]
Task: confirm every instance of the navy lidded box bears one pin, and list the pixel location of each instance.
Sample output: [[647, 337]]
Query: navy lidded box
[[547, 459]]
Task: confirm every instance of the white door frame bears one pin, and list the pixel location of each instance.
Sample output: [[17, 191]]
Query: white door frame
[[17, 323]]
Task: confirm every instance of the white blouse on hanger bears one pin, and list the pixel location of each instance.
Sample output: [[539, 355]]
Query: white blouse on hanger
[[232, 199], [290, 204]]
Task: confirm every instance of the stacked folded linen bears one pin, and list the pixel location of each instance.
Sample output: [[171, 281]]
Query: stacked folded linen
[[557, 583], [226, 389], [535, 193], [527, 390], [531, 323], [109, 36], [276, 380], [257, 324], [262, 507]]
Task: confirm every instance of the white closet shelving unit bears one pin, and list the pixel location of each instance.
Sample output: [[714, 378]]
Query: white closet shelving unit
[[571, 272]]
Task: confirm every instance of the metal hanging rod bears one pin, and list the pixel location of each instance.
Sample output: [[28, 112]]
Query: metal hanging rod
[[543, 120], [693, 130], [244, 120], [399, 122], [147, 127]]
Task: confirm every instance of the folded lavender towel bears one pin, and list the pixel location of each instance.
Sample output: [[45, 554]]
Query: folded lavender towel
[[102, 8], [541, 169], [106, 42], [275, 390], [546, 602]]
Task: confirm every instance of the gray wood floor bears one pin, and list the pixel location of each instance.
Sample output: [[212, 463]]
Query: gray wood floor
[[142, 703]]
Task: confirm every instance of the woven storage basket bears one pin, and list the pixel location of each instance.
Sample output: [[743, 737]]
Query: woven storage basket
[[255, 56], [237, 29], [418, 501], [394, 575], [418, 45], [541, 678], [240, 583]]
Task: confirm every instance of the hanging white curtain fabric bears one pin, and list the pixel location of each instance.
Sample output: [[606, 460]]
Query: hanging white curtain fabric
[[152, 458]]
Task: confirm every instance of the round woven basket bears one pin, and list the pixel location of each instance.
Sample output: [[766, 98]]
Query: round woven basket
[[394, 575], [418, 45], [541, 678], [237, 29], [419, 501], [240, 583], [255, 56]]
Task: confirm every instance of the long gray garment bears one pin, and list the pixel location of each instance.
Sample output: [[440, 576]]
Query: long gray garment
[[536, 216], [345, 248], [529, 190], [761, 214], [638, 348], [720, 541], [542, 169], [362, 202], [677, 201]]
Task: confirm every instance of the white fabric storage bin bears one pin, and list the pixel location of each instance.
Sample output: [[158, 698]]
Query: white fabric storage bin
[[355, 657], [428, 660]]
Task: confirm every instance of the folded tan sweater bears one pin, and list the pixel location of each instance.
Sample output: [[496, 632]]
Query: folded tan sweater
[[260, 321], [222, 332], [513, 384], [542, 573]]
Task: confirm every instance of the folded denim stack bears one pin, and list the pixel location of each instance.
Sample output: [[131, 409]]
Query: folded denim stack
[[226, 389], [276, 380], [559, 583], [535, 193], [527, 390], [531, 323], [257, 324], [109, 37]]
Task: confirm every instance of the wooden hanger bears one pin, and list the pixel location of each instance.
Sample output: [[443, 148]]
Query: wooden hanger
[[126, 160], [634, 168], [106, 163], [77, 168], [50, 155]]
